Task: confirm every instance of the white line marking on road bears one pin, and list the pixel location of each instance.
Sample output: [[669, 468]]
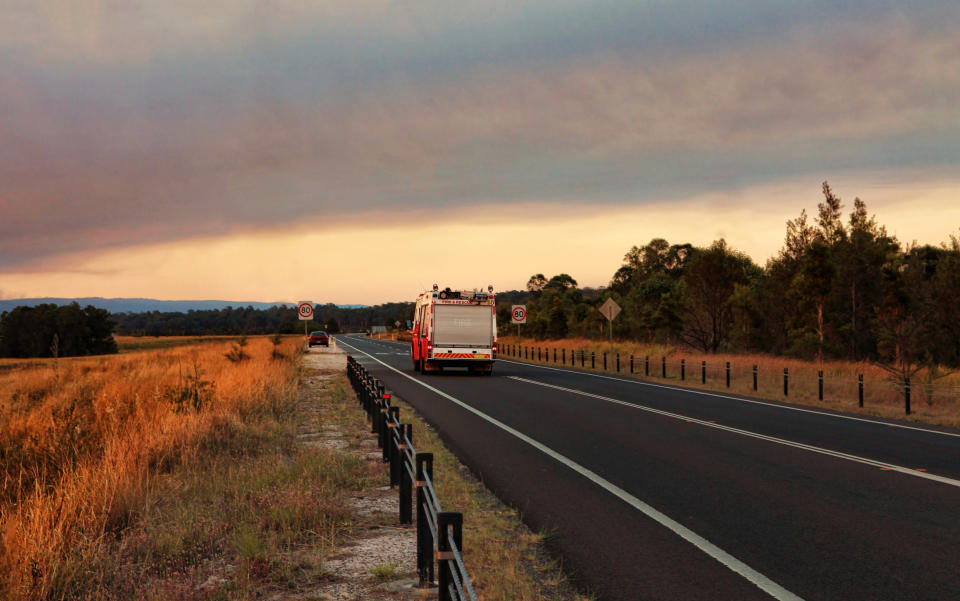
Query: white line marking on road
[[790, 443], [765, 584], [732, 398]]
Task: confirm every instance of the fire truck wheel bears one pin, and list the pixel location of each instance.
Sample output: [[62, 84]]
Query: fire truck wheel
[[416, 365]]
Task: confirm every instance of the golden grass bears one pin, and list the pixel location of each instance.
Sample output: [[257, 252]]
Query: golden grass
[[81, 448], [934, 402]]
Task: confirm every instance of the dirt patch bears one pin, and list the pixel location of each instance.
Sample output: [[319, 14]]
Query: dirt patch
[[325, 357]]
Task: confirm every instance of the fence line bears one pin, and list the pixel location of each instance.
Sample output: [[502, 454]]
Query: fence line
[[439, 533], [728, 375]]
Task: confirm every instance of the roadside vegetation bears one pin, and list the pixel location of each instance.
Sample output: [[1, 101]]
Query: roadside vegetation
[[146, 474], [838, 289]]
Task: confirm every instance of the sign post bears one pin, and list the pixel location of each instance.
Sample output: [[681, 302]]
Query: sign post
[[305, 312], [610, 309], [518, 315]]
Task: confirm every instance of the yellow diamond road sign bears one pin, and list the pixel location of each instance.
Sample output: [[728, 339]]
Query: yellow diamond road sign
[[610, 309]]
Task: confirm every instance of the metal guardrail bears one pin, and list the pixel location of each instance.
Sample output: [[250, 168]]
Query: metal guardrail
[[729, 376], [439, 533]]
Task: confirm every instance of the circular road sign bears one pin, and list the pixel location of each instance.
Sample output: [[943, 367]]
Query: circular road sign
[[305, 310], [519, 314]]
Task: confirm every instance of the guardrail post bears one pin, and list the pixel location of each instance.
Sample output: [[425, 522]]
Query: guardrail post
[[754, 378], [728, 374], [447, 521], [583, 358], [663, 365], [384, 418], [860, 388], [820, 384], [604, 361], [406, 483], [631, 363], [563, 355], [683, 370], [786, 381], [393, 440], [593, 360], [618, 362], [703, 372], [646, 365], [554, 354], [539, 358], [373, 410], [424, 538], [906, 395]]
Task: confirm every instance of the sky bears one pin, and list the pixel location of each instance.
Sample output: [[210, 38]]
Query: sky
[[361, 151]]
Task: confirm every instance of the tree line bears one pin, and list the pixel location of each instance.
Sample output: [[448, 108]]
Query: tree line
[[841, 287], [247, 320], [29, 331], [56, 331]]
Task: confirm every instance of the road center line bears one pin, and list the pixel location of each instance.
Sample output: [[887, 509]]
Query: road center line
[[767, 585], [774, 439]]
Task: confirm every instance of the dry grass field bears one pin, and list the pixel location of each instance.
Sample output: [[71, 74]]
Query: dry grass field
[[148, 444], [131, 344], [935, 397], [178, 473]]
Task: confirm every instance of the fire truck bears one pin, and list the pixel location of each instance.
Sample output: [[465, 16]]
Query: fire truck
[[454, 328]]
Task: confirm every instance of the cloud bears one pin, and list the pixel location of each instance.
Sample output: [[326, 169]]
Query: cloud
[[376, 261], [154, 122]]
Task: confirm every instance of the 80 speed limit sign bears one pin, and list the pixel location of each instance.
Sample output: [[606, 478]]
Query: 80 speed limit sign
[[305, 310], [518, 314]]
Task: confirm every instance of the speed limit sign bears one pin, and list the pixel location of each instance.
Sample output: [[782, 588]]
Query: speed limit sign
[[518, 314], [305, 310]]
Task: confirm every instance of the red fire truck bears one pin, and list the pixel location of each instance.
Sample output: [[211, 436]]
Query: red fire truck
[[454, 328]]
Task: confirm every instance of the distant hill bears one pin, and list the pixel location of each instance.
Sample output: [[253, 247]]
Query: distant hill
[[145, 305]]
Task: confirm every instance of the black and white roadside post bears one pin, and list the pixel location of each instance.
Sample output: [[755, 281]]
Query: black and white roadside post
[[305, 312], [518, 315], [424, 470], [610, 309]]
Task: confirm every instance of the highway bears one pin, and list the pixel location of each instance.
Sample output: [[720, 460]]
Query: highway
[[655, 492]]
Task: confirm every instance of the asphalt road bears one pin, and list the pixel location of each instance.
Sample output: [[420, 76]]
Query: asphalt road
[[653, 492]]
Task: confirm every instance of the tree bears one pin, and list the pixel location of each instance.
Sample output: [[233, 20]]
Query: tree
[[829, 218], [709, 280], [560, 282], [810, 288], [536, 284]]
